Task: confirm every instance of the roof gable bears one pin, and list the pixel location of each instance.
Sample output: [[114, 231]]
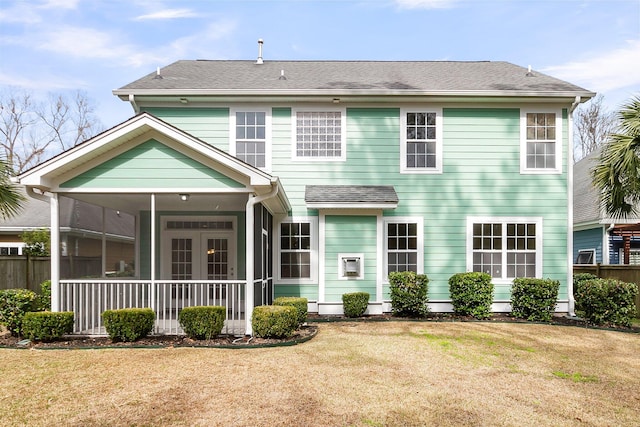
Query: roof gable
[[97, 151], [151, 165]]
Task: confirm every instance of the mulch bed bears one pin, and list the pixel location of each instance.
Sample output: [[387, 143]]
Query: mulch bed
[[301, 335]]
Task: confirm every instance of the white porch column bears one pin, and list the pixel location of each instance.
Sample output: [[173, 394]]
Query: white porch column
[[152, 292], [248, 302], [55, 252], [104, 243]]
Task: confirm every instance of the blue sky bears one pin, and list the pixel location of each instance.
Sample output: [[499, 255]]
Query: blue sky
[[98, 45]]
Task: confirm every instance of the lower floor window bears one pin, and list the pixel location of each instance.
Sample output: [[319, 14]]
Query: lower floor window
[[403, 245], [297, 249], [505, 249]]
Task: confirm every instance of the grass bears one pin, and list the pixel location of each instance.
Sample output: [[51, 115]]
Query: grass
[[351, 374]]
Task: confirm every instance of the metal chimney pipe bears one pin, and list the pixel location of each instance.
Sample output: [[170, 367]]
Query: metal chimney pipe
[[259, 61]]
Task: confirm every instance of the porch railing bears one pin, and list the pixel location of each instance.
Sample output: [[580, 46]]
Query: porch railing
[[88, 299]]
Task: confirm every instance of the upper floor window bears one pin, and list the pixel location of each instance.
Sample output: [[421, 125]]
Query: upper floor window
[[541, 147], [505, 248], [319, 135], [421, 141], [249, 142]]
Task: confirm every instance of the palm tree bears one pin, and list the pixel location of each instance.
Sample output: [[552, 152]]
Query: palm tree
[[10, 198], [617, 174]]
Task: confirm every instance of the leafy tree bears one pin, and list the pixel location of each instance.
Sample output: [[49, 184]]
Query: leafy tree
[[10, 198], [37, 242], [32, 131], [592, 124], [617, 174]]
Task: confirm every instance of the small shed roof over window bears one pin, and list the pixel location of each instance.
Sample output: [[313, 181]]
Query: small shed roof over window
[[351, 197]]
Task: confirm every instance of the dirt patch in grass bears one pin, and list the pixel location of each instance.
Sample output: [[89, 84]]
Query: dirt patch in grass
[[395, 373]]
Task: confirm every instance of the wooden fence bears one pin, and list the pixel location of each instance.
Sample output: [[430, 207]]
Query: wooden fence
[[626, 273], [25, 272]]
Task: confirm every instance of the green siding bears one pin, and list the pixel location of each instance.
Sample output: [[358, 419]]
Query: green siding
[[209, 124], [481, 177], [350, 234], [151, 165]]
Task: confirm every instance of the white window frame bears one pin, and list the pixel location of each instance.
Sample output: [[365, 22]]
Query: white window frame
[[10, 245], [419, 221], [313, 227], [558, 141], [343, 134], [591, 251], [267, 132], [504, 221], [403, 141]]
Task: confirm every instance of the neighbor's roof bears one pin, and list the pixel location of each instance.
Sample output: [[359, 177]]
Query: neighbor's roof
[[473, 78], [350, 196]]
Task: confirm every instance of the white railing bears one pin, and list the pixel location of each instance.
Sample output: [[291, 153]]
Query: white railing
[[88, 299]]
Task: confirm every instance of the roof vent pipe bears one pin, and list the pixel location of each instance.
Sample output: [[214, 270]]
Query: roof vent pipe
[[259, 61], [158, 76]]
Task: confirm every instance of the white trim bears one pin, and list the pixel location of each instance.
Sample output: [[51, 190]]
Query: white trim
[[11, 245], [55, 251], [363, 206], [343, 133], [538, 221], [403, 140], [419, 221], [593, 259], [268, 131], [322, 224], [380, 256], [314, 252], [558, 141]]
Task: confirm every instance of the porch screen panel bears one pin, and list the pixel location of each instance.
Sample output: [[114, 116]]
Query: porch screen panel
[[181, 259]]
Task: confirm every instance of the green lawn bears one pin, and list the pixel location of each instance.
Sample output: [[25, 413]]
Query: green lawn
[[351, 374]]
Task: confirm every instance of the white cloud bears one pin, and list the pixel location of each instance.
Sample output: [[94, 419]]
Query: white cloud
[[167, 14], [604, 71], [60, 4], [426, 4]]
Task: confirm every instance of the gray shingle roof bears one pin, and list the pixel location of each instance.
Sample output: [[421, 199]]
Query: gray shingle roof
[[365, 77], [351, 195]]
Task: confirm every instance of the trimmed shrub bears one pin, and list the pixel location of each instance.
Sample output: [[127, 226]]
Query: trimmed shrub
[[14, 303], [534, 299], [202, 323], [45, 296], [355, 304], [578, 281], [47, 325], [409, 296], [274, 321], [607, 301], [128, 324], [471, 294], [299, 303]]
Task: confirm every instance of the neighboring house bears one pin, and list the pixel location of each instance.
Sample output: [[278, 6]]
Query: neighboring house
[[597, 238], [255, 179], [81, 236]]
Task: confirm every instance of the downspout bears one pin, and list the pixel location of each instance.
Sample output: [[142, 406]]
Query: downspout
[[132, 100], [249, 269], [572, 302], [606, 253]]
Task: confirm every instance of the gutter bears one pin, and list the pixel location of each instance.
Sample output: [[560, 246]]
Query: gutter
[[132, 100]]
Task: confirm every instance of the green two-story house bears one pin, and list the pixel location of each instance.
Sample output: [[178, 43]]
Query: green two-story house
[[250, 180]]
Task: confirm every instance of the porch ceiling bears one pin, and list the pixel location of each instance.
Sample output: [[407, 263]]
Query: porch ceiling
[[133, 203]]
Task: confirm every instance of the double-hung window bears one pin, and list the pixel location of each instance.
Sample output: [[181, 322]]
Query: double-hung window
[[250, 136], [319, 135], [421, 140], [297, 250], [403, 245], [505, 248], [541, 141]]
